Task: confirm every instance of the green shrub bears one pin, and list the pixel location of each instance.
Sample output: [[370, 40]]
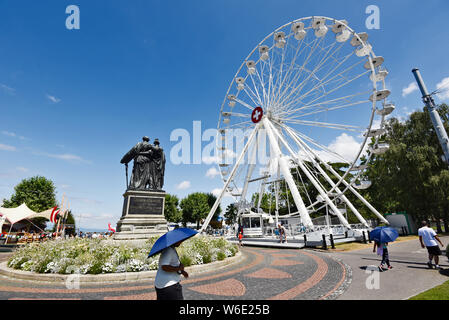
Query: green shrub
[[221, 256]]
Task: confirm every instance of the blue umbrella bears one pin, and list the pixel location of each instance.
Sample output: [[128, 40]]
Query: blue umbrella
[[170, 238], [384, 234]]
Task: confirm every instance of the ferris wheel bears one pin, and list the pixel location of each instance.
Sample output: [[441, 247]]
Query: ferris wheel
[[306, 96]]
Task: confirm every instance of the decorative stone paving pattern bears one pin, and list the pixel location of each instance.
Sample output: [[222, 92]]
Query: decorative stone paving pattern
[[283, 255], [285, 262], [144, 296], [262, 274], [269, 273], [309, 283], [228, 288]]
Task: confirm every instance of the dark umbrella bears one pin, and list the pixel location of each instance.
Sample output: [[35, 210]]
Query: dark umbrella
[[170, 238], [384, 234]]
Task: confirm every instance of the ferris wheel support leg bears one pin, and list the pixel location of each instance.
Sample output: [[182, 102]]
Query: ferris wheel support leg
[[300, 143], [322, 192], [357, 194], [231, 176], [249, 174], [285, 169]]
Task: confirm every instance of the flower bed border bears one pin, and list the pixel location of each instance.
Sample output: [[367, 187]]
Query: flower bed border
[[113, 277]]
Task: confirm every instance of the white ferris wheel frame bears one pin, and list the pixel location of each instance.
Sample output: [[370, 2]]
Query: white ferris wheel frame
[[276, 139]]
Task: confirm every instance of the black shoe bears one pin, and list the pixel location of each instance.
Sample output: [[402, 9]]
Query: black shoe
[[381, 269], [429, 264]]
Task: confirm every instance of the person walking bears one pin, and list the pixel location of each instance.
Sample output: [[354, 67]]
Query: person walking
[[241, 238], [382, 250], [282, 234], [428, 239], [168, 276]]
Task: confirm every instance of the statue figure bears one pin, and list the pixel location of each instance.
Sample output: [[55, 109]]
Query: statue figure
[[140, 177], [149, 165], [157, 166]]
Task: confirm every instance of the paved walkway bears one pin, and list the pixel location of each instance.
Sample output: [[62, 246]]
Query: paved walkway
[[264, 274], [409, 276], [277, 274]]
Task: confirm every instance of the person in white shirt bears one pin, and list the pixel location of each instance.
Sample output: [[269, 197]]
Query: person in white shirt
[[168, 276], [428, 239], [282, 233]]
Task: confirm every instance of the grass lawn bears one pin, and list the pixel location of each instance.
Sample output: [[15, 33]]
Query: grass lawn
[[437, 293], [358, 246]]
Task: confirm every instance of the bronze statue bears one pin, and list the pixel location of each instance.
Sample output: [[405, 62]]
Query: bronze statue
[[149, 166], [157, 166]]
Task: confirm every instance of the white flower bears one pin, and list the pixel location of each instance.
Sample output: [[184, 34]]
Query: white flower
[[107, 267], [85, 268], [121, 268]]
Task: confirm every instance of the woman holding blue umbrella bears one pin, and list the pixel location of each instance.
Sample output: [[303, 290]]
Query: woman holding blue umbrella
[[382, 250], [381, 237], [168, 276]]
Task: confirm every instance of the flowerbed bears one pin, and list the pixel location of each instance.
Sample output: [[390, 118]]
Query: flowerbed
[[95, 256]]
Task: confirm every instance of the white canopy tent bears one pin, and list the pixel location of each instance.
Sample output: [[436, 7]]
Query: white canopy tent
[[14, 215], [22, 212]]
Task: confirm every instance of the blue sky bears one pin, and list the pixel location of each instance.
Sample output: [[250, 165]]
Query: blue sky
[[73, 102]]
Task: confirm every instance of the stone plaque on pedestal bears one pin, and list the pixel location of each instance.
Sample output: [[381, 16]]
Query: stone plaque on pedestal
[[142, 216]]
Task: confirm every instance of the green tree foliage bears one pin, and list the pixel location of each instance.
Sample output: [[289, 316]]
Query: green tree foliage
[[411, 176], [172, 211], [196, 206], [38, 193], [231, 214]]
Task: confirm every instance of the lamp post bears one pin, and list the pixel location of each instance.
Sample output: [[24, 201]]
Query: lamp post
[[434, 116]]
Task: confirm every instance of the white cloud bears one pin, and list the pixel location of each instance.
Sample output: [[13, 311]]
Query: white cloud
[[211, 160], [6, 147], [212, 173], [8, 90], [22, 169], [216, 192], [412, 87], [344, 145], [183, 185], [66, 157], [443, 86], [9, 134], [13, 135], [53, 98]]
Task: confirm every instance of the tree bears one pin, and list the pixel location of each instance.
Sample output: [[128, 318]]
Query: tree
[[231, 214], [38, 193], [172, 212], [411, 176], [196, 206], [214, 223]]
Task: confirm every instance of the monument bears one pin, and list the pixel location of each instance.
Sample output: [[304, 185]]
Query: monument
[[144, 199]]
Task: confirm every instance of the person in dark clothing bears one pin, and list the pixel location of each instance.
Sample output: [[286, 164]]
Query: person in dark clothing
[[382, 250]]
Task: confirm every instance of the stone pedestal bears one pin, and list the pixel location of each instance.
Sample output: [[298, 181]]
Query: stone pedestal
[[142, 216]]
